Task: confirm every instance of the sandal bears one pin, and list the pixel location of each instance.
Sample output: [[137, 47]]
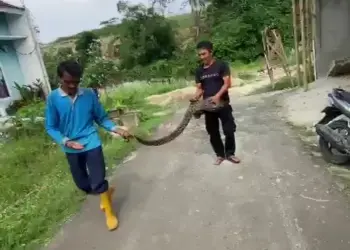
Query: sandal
[[233, 159], [219, 160]]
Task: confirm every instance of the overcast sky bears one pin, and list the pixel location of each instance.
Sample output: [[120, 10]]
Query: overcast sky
[[57, 18]]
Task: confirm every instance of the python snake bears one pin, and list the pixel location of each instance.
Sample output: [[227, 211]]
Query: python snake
[[195, 109]]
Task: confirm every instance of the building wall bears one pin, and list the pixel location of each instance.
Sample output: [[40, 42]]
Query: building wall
[[11, 68], [21, 62], [4, 29], [9, 62], [332, 33], [28, 50]]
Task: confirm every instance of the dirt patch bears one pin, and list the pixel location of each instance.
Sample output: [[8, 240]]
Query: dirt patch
[[241, 88], [302, 108], [176, 95]]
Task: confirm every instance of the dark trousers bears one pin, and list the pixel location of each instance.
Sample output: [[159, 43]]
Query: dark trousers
[[89, 170], [229, 128]]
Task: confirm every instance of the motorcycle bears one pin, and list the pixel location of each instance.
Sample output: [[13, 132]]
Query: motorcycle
[[334, 128]]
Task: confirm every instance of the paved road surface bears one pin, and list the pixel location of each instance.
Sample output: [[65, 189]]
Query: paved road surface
[[172, 197]]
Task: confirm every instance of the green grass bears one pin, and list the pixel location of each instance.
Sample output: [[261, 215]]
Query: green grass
[[183, 21], [37, 192], [142, 89], [281, 84], [247, 67], [246, 75]]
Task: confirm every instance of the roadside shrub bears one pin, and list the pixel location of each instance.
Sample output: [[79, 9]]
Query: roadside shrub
[[100, 72], [29, 94]]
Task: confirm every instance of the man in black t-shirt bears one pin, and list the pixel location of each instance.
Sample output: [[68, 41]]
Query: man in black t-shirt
[[213, 79]]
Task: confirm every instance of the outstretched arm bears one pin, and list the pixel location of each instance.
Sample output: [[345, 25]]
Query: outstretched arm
[[102, 119], [101, 116]]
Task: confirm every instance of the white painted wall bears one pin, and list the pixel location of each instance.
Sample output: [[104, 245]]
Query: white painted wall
[[28, 50]]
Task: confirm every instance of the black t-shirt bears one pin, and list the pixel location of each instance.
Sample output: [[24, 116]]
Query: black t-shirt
[[211, 79]]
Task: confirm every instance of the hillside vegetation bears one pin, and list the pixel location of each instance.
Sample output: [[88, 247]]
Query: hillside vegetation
[[146, 45], [182, 24]]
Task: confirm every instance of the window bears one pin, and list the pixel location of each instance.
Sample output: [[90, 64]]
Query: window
[[4, 92]]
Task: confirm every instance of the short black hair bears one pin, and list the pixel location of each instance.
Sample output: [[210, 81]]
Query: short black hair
[[72, 67], [205, 45]]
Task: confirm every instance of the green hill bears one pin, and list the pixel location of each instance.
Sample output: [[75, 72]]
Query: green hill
[[182, 23]]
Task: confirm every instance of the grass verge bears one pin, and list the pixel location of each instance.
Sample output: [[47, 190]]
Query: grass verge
[[281, 84], [37, 190], [247, 67]]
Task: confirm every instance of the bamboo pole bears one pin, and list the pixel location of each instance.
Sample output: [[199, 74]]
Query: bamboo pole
[[282, 55], [311, 38], [308, 40], [313, 31], [303, 42], [268, 66], [296, 43]]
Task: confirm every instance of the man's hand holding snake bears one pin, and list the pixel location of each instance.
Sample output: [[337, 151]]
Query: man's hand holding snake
[[123, 133]]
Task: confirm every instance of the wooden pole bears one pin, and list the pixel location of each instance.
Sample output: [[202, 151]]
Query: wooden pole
[[308, 39], [313, 32], [303, 42], [269, 68], [282, 54], [296, 42]]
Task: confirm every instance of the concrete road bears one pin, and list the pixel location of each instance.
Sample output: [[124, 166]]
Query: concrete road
[[172, 197]]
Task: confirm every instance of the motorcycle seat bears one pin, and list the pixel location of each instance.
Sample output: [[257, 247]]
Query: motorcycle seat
[[341, 100], [342, 94]]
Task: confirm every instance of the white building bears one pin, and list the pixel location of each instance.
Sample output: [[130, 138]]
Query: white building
[[20, 56]]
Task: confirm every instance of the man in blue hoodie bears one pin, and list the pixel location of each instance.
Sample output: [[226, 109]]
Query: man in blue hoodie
[[70, 116]]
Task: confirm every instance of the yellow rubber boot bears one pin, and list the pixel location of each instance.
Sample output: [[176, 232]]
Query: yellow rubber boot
[[110, 194], [111, 218]]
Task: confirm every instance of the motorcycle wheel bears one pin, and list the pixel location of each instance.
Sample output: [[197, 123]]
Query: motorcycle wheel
[[330, 154]]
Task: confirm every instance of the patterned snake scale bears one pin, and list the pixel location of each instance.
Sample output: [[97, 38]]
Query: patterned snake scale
[[195, 109]]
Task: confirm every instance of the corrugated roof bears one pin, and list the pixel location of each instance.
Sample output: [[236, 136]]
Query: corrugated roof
[[7, 5]]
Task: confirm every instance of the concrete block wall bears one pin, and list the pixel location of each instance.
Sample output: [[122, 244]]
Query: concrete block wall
[[332, 33]]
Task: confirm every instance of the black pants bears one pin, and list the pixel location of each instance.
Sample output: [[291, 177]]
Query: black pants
[[89, 170], [228, 127]]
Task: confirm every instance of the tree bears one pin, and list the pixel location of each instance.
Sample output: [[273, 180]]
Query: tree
[[236, 25], [86, 40], [145, 36], [197, 7], [111, 21], [65, 53]]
